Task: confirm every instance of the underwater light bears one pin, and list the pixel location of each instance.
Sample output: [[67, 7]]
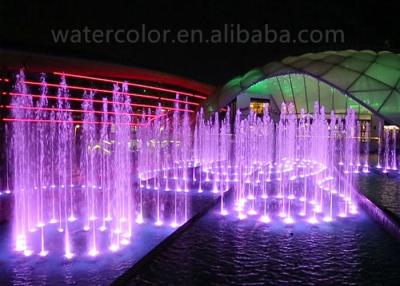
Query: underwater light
[[265, 219], [288, 220]]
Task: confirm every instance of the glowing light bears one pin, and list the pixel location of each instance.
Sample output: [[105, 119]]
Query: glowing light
[[125, 241], [139, 219], [28, 252], [43, 253], [159, 223], [317, 209], [241, 216], [251, 212], [313, 220], [130, 84], [265, 219], [101, 102], [69, 255], [65, 121], [98, 90], [353, 210], [288, 220], [93, 252], [20, 243], [224, 212], [114, 247]]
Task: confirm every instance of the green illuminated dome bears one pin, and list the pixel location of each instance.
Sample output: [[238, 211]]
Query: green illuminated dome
[[367, 81]]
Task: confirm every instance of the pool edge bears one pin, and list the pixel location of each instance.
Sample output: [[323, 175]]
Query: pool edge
[[129, 274], [386, 219]]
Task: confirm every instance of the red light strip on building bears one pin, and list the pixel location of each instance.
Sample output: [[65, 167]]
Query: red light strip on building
[[179, 101], [78, 111], [111, 92], [91, 89], [100, 101], [69, 121], [131, 84]]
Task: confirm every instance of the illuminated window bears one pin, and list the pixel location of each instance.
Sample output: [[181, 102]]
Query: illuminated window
[[257, 106]]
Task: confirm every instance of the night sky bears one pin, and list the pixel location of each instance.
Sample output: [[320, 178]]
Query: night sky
[[366, 25]]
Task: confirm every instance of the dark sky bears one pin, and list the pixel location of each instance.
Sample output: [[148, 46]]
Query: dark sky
[[366, 25]]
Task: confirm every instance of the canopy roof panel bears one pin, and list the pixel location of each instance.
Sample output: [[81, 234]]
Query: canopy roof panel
[[365, 80]]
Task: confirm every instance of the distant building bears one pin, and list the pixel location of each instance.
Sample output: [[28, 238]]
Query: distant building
[[366, 81]]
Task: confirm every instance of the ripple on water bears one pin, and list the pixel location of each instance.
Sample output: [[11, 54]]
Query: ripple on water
[[221, 250], [382, 189]]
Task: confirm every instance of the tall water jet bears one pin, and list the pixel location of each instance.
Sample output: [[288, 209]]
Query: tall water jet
[[394, 151], [378, 165], [386, 151], [366, 149]]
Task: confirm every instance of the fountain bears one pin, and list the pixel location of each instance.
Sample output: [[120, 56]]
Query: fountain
[[81, 186], [289, 169]]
